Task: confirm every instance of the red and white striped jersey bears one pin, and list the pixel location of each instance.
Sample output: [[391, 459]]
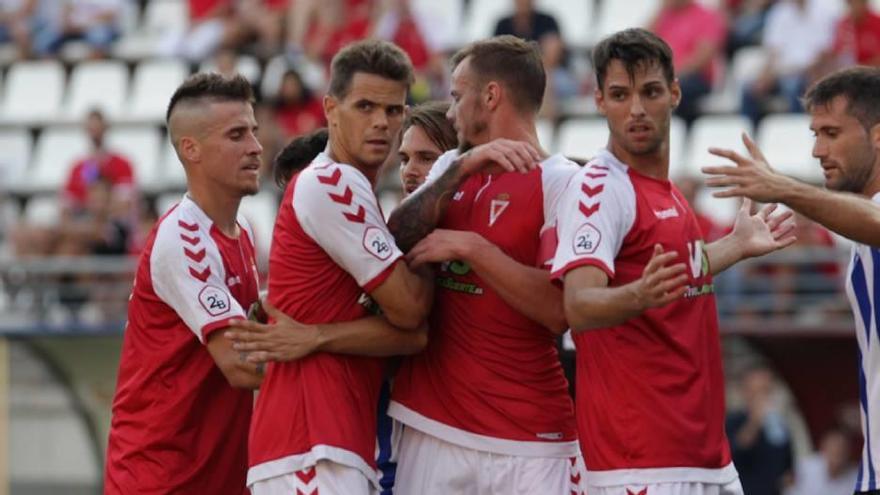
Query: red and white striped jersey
[[650, 392], [330, 246], [178, 426], [490, 378]]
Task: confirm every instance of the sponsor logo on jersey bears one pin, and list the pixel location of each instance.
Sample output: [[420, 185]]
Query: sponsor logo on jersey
[[586, 239], [369, 304], [670, 212], [497, 207], [698, 262], [459, 268], [457, 196], [376, 243], [214, 300], [233, 281]]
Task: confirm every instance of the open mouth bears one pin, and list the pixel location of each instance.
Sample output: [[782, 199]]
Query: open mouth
[[378, 142]]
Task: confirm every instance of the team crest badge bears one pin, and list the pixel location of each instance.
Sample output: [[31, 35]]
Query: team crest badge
[[497, 207]]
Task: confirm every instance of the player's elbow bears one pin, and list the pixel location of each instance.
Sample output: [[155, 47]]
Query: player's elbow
[[557, 323], [576, 316], [418, 341], [407, 318], [241, 378]]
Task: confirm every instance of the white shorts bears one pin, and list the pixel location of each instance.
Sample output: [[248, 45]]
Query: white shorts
[[428, 466], [690, 488], [324, 478]]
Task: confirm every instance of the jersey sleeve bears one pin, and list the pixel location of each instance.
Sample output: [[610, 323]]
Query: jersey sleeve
[[187, 274], [556, 173], [337, 208], [595, 214]]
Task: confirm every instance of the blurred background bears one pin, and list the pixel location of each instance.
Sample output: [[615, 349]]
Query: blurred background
[[86, 168]]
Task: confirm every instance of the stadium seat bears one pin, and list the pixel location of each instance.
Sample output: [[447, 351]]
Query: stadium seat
[[33, 92], [154, 83], [42, 211], [721, 131], [721, 210], [575, 19], [54, 154], [787, 143], [93, 84], [174, 175], [614, 15], [160, 17], [747, 63], [481, 17], [582, 138], [140, 145], [260, 211], [446, 19], [246, 65], [15, 155], [546, 135]]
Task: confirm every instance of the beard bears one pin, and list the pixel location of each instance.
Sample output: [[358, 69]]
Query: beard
[[856, 176], [477, 128]]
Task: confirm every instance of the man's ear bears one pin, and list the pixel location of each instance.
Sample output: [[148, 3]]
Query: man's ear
[[492, 95], [330, 106], [599, 97], [190, 149], [874, 136], [675, 89]]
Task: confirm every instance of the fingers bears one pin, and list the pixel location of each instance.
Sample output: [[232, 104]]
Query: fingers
[[764, 212], [736, 192], [775, 221], [746, 207], [730, 155], [275, 313], [754, 151], [721, 170]]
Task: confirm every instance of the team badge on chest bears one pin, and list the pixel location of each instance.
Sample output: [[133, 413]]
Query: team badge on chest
[[497, 207]]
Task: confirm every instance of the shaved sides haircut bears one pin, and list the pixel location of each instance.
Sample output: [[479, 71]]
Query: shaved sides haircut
[[208, 87]]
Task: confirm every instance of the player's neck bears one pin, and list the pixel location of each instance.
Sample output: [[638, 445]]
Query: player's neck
[[221, 208], [516, 128], [338, 154], [654, 165]]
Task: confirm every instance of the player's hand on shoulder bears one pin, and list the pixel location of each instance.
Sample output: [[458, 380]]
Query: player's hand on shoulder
[[661, 283], [284, 340], [512, 156]]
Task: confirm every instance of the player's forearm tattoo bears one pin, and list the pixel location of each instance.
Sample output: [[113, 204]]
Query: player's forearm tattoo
[[416, 217]]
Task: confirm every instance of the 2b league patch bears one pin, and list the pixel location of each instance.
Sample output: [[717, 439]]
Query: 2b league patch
[[586, 239], [214, 300], [376, 243]]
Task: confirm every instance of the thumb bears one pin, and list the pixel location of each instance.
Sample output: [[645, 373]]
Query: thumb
[[658, 249], [274, 312]]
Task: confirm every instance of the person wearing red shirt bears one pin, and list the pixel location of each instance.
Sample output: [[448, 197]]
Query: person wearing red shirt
[[297, 110], [857, 35], [183, 398], [486, 406], [639, 298]]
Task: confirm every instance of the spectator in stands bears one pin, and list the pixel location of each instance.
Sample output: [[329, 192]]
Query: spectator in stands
[[212, 24], [16, 22], [263, 22], [96, 22], [745, 20], [759, 437], [857, 36], [528, 23], [696, 35], [796, 35], [830, 471], [320, 28], [297, 110]]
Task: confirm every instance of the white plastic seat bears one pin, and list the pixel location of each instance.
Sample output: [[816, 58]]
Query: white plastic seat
[[787, 144], [720, 131], [747, 63], [482, 16], [174, 175], [615, 15], [55, 152], [97, 84], [446, 19], [33, 92], [15, 156], [42, 211], [160, 17], [154, 83], [260, 211], [546, 134], [581, 138], [246, 65], [312, 74], [140, 145], [575, 18]]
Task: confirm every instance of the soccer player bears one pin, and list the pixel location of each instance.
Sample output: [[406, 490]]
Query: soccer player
[[427, 134], [639, 295], [845, 117], [183, 400], [333, 263], [486, 407]]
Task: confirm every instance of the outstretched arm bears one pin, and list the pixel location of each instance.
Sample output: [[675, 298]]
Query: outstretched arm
[[852, 216], [288, 340], [526, 288], [590, 304], [419, 214]]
